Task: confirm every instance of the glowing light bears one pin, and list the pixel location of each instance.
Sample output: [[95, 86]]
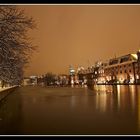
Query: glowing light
[[119, 101], [135, 56]]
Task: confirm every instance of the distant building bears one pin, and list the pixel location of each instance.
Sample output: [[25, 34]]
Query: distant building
[[71, 70], [33, 80], [26, 81], [101, 73], [124, 69], [63, 79], [121, 69], [72, 75]]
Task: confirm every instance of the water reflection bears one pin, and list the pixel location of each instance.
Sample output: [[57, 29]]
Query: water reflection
[[10, 114], [137, 89], [101, 102], [104, 110], [115, 97]]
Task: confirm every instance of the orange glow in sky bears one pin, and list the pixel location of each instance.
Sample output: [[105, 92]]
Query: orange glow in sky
[[80, 35]]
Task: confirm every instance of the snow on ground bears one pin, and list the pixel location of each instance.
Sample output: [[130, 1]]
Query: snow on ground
[[5, 88]]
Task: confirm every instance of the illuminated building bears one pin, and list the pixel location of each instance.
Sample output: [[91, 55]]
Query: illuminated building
[[137, 67], [63, 79], [124, 70], [121, 69], [72, 74], [33, 80], [101, 73], [71, 70], [26, 81], [82, 75]]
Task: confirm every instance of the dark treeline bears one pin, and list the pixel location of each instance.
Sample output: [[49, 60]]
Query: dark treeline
[[50, 79]]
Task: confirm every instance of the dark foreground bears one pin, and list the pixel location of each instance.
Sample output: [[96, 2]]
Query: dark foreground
[[108, 110]]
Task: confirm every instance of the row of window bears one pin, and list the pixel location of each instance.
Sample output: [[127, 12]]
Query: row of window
[[116, 61], [121, 66], [117, 68], [117, 72], [125, 71]]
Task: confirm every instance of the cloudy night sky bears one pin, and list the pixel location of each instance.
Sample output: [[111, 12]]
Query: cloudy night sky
[[80, 35]]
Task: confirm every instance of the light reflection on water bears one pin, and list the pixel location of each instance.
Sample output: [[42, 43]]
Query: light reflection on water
[[126, 99], [123, 95], [137, 90], [104, 110]]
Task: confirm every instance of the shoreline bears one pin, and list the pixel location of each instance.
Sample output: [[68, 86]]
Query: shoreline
[[4, 92]]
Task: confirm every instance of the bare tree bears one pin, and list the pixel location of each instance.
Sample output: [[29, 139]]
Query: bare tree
[[15, 47]]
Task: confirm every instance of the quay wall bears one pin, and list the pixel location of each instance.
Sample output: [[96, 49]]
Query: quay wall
[[5, 92]]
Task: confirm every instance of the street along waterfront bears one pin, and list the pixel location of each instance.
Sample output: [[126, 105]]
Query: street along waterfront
[[36, 110]]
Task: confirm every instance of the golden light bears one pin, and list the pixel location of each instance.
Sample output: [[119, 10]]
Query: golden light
[[135, 55]]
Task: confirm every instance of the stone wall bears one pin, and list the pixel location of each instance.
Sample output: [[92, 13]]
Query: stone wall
[[6, 92]]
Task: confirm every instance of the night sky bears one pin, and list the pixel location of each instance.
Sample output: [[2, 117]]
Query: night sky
[[81, 35]]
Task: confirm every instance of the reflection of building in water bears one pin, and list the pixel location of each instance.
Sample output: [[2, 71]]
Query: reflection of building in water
[[126, 97], [138, 106], [101, 102], [116, 97], [119, 96], [133, 96]]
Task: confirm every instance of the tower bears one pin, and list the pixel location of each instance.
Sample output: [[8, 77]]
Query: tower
[[72, 73], [71, 70]]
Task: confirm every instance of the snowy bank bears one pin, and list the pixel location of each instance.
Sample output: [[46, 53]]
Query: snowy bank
[[6, 91]]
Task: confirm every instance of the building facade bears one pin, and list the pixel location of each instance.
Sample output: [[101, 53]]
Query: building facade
[[120, 70]]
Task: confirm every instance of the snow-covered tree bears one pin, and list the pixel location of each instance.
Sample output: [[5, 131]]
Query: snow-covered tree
[[15, 47]]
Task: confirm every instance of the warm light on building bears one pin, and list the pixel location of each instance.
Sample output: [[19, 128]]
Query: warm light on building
[[123, 69], [135, 56]]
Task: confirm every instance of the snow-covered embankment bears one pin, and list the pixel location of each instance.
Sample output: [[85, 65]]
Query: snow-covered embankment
[[6, 91]]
